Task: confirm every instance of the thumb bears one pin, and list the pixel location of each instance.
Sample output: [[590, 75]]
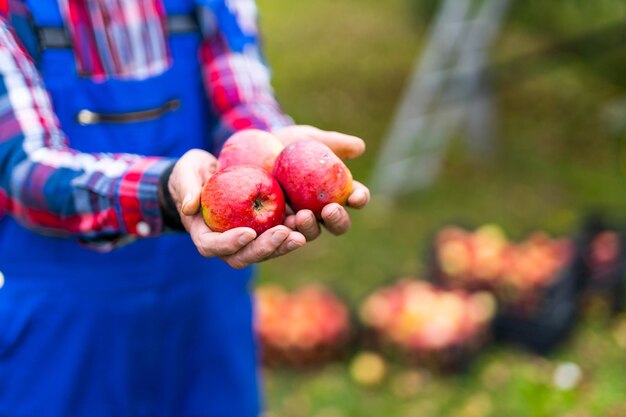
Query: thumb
[[190, 204], [190, 173]]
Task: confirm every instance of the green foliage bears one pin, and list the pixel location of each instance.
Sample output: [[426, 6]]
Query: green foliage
[[342, 65]]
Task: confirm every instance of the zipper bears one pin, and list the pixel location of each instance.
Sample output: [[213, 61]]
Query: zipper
[[87, 117]]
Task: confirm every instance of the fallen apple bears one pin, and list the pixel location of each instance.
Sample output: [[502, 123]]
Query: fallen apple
[[242, 196], [368, 369], [312, 176]]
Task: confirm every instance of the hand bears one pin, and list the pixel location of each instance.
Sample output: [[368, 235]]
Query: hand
[[238, 247], [334, 217], [344, 146]]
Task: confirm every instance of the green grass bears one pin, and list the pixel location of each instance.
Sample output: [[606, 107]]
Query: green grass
[[342, 65]]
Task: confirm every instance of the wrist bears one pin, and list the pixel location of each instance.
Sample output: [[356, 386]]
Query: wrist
[[169, 210]]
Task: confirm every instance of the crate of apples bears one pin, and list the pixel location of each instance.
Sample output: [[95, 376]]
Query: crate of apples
[[256, 176], [309, 326], [518, 274], [427, 326], [534, 281], [532, 269]]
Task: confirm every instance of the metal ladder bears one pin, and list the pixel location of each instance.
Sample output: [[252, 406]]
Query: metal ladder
[[448, 90]]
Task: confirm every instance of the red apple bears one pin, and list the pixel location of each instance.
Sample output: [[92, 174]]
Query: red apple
[[242, 196], [312, 176], [250, 147], [604, 249]]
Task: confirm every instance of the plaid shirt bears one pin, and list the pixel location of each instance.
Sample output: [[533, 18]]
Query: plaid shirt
[[107, 199]]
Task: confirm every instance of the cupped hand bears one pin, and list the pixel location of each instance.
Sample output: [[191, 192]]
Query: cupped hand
[[335, 218], [238, 247]]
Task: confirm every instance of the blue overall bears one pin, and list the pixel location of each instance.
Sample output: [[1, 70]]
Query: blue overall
[[150, 329]]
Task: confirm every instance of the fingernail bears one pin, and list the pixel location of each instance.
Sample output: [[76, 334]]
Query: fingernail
[[292, 245], [279, 237], [245, 238]]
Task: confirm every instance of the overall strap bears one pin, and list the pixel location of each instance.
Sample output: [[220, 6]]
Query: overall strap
[[51, 37]]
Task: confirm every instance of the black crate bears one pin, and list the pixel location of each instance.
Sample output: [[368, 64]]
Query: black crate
[[549, 323]]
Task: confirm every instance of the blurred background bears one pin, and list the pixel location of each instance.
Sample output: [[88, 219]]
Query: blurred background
[[528, 135]]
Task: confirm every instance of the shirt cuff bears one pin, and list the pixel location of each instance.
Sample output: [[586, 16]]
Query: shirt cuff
[[137, 198]]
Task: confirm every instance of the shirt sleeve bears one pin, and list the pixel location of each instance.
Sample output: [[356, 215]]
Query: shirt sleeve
[[104, 200], [236, 77]]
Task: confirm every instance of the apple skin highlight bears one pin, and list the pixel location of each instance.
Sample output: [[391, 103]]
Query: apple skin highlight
[[312, 176], [242, 196]]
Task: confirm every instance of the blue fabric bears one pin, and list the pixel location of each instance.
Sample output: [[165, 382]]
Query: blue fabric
[[227, 22], [151, 329]]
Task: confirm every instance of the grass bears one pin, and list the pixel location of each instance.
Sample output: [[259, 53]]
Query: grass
[[342, 65]]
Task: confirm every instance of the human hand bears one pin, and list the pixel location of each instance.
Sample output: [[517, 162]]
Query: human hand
[[238, 247], [334, 217]]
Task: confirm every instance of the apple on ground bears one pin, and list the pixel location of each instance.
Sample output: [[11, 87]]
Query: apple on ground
[[242, 196], [312, 176], [368, 369], [250, 147]]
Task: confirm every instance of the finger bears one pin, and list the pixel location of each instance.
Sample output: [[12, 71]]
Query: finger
[[306, 223], [294, 241], [360, 196], [336, 219], [200, 169], [212, 244], [191, 172], [290, 219], [259, 249], [344, 146], [290, 222]]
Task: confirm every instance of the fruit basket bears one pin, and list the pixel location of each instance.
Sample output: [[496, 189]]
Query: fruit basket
[[306, 327], [534, 281], [602, 264], [419, 324]]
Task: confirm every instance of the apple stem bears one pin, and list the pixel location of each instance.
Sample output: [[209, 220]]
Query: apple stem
[[258, 203]]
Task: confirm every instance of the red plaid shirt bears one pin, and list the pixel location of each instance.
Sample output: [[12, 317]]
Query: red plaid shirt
[[102, 198]]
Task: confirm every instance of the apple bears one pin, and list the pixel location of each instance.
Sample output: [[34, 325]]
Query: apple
[[454, 257], [250, 147], [242, 196], [312, 176], [604, 249], [368, 368]]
